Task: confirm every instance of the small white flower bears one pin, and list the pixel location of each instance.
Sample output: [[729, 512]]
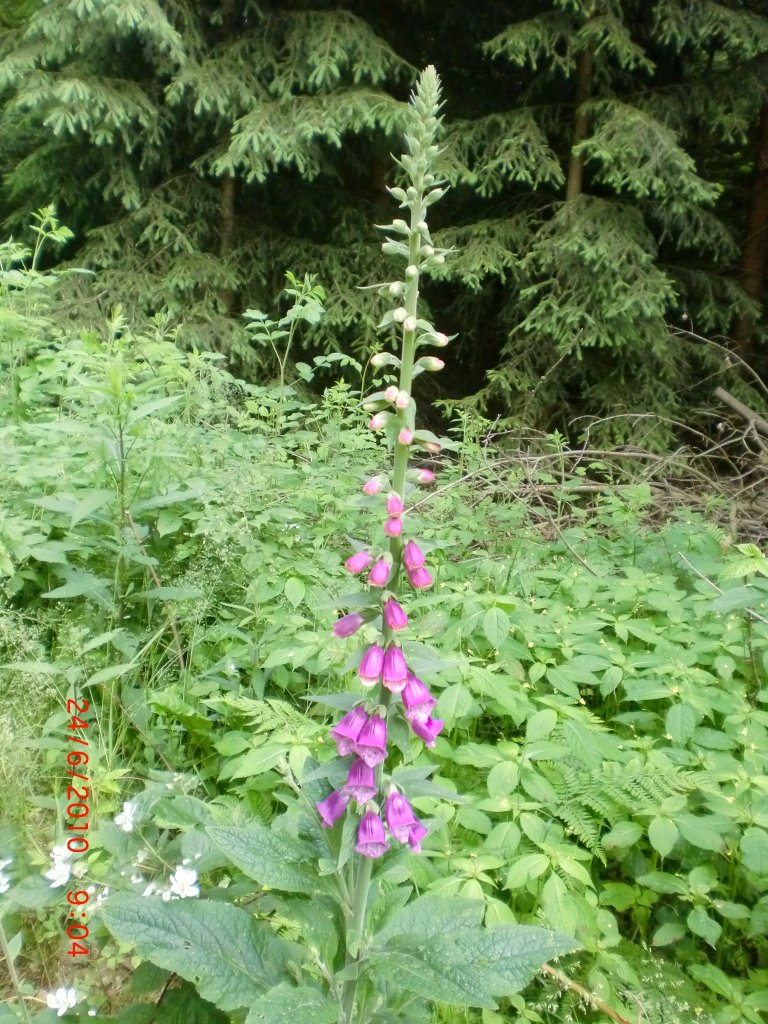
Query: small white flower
[[140, 857], [61, 1000], [60, 853], [151, 890], [5, 881], [124, 820], [183, 883], [101, 898], [135, 879], [4, 863], [92, 1013], [59, 874]]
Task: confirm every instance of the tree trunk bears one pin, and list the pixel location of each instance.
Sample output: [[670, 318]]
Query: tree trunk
[[227, 206], [575, 183], [754, 255]]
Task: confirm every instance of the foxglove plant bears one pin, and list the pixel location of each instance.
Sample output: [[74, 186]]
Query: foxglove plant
[[370, 953]]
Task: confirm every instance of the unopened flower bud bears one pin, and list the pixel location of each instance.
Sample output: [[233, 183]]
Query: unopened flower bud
[[433, 448], [394, 616], [423, 227], [411, 271], [427, 251], [379, 421], [400, 314], [347, 625], [405, 436], [439, 340], [413, 556], [409, 324], [379, 574], [395, 505], [396, 288], [425, 476], [420, 579], [357, 562], [380, 359], [402, 400], [391, 393], [439, 259], [393, 527], [400, 225], [432, 363], [372, 486]]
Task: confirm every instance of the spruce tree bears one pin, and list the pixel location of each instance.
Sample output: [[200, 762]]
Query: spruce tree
[[164, 124]]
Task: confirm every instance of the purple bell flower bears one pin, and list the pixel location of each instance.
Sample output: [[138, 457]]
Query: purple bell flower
[[417, 833], [361, 782], [400, 816], [348, 729], [371, 666], [371, 840], [394, 616], [394, 669], [417, 700], [371, 744], [348, 624], [428, 730], [332, 808]]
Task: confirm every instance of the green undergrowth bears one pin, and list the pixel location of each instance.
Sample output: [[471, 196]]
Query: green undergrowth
[[169, 548]]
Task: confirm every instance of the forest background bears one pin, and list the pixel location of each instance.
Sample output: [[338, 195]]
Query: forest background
[[608, 161], [177, 465]]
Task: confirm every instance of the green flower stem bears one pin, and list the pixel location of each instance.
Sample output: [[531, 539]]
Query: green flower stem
[[13, 975]]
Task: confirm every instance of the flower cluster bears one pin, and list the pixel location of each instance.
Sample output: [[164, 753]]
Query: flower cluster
[[361, 735]]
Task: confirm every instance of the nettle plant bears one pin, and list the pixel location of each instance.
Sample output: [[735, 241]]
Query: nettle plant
[[334, 932]]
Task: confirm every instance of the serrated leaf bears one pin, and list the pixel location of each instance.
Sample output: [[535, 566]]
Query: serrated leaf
[[294, 591], [502, 778], [269, 856], [701, 924], [540, 724], [284, 1005], [496, 627], [667, 934], [680, 722], [225, 952], [754, 850], [454, 703], [663, 834]]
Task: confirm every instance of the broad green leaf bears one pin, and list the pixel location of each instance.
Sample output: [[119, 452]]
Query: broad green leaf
[[431, 915], [706, 927], [255, 762], [454, 703], [681, 721], [496, 627], [502, 779], [663, 834], [523, 869], [294, 591], [668, 933], [269, 856], [700, 831], [623, 835], [754, 850], [560, 909], [224, 951], [285, 1005], [540, 724], [714, 979]]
